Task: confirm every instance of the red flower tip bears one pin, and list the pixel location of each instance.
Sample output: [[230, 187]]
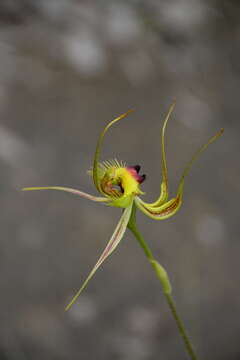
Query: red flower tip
[[134, 170], [137, 168]]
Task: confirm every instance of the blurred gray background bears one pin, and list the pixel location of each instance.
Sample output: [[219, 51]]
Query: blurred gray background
[[68, 67]]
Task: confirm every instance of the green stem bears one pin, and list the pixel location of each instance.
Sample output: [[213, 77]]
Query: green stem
[[163, 277]]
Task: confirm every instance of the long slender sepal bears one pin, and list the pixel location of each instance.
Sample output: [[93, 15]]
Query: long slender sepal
[[170, 207], [70, 190], [98, 149], [164, 185], [195, 157], [111, 246]]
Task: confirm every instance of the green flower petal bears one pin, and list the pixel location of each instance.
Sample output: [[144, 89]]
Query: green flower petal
[[195, 157], [164, 185], [111, 246], [98, 149], [162, 212], [169, 208]]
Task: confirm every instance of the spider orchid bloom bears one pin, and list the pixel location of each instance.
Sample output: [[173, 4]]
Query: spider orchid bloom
[[119, 186]]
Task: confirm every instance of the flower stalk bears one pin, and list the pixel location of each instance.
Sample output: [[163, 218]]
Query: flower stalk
[[165, 282]]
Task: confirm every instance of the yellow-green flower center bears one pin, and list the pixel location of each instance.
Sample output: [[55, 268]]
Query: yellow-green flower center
[[120, 183]]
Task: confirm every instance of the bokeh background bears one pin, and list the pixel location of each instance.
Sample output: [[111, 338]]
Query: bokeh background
[[68, 67]]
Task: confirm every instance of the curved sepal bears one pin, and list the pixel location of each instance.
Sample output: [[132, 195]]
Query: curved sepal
[[195, 157], [70, 190], [164, 185], [95, 169], [111, 246], [170, 207]]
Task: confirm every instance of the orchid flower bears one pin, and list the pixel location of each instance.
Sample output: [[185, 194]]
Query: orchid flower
[[119, 186]]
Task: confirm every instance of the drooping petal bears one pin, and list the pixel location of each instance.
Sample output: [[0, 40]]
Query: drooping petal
[[70, 190], [111, 246], [98, 149], [170, 207], [164, 185]]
